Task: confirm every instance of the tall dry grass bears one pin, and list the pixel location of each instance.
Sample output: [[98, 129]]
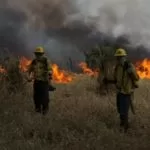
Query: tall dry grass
[[79, 119]]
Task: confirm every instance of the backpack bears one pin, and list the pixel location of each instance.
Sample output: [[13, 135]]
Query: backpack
[[43, 60], [126, 66], [44, 63]]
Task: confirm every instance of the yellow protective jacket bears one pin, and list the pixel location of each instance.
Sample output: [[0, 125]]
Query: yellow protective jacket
[[40, 67], [126, 78]]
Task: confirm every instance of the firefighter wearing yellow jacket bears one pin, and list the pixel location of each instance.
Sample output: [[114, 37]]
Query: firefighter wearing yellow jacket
[[126, 81], [40, 71]]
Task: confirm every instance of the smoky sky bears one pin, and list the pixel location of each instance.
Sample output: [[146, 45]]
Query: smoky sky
[[65, 28], [11, 22]]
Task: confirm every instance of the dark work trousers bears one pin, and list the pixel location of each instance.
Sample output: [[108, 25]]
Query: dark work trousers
[[41, 96], [123, 104]]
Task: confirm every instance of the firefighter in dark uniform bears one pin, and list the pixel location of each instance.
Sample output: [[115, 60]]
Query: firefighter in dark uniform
[[39, 71]]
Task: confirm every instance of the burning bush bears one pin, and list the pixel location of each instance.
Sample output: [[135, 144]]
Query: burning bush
[[13, 73], [11, 76]]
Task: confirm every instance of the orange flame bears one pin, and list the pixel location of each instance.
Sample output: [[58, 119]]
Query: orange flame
[[87, 70], [2, 70], [24, 63], [60, 76], [143, 69]]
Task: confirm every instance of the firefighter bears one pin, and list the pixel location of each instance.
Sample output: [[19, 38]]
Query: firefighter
[[40, 71], [126, 81]]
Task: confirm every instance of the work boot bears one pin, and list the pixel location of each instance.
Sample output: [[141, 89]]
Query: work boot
[[38, 110], [126, 127], [121, 123], [45, 110], [122, 120]]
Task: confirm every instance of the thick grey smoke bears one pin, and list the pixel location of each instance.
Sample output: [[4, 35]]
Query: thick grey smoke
[[27, 24], [116, 17], [66, 27]]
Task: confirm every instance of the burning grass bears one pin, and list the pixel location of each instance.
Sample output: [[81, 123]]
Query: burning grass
[[62, 76], [78, 119]]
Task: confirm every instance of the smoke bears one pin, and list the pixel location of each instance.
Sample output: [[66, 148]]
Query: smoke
[[116, 18], [27, 24], [66, 27]]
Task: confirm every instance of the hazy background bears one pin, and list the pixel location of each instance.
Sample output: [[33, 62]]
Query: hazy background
[[67, 27]]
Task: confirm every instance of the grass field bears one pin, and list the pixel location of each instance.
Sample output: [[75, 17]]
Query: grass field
[[79, 119]]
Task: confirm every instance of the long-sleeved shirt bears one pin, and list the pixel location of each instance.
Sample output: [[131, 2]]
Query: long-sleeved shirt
[[126, 78], [40, 67]]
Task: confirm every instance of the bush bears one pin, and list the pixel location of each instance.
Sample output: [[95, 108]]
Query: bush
[[12, 78], [102, 59]]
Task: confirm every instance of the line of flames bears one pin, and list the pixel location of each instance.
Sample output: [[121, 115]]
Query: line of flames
[[61, 76]]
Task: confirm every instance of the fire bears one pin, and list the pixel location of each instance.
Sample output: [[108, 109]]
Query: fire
[[143, 69], [60, 76], [24, 63], [2, 70], [87, 70]]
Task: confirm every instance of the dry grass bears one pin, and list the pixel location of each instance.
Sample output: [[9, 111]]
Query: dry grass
[[78, 120]]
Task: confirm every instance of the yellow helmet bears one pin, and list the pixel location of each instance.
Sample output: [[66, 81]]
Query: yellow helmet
[[39, 50], [120, 52]]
